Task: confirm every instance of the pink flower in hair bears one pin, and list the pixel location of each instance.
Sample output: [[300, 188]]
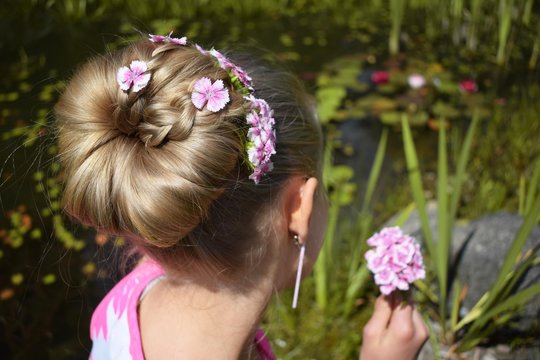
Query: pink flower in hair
[[396, 260], [134, 75], [259, 172], [215, 96], [261, 136], [223, 61], [158, 39], [201, 49], [228, 65]]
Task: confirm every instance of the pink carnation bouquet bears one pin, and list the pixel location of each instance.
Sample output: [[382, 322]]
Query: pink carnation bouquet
[[395, 260]]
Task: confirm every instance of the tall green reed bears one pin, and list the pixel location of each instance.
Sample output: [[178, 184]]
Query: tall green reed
[[397, 10], [456, 14], [505, 23], [476, 15], [535, 54]]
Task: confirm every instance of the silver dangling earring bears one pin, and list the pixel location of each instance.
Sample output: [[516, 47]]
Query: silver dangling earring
[[298, 271]]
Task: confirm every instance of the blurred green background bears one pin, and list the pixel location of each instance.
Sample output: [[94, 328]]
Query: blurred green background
[[369, 63]]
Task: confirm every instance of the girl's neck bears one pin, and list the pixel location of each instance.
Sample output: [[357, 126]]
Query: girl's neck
[[187, 320]]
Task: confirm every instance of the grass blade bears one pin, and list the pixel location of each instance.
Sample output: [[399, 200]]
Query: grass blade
[[405, 214], [527, 10], [456, 302], [443, 241], [533, 186], [416, 184], [461, 166], [433, 339], [505, 23], [359, 279], [322, 266], [397, 8], [521, 195], [375, 170]]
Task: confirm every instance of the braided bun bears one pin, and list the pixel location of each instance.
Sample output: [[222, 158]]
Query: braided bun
[[146, 163]]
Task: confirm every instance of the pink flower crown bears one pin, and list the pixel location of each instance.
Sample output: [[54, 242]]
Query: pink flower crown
[[261, 135]]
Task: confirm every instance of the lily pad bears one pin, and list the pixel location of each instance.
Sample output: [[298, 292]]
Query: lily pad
[[340, 174], [446, 86], [418, 119], [387, 88], [441, 109], [329, 100], [376, 103], [350, 114], [346, 194], [391, 118]]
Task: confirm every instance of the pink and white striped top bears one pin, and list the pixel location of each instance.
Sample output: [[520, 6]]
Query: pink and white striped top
[[114, 328]]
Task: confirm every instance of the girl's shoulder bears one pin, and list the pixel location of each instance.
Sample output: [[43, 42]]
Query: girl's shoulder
[[114, 328]]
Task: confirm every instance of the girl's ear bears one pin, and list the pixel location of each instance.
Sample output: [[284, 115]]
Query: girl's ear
[[300, 197]]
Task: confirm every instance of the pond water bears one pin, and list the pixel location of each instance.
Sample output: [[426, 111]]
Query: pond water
[[53, 272]]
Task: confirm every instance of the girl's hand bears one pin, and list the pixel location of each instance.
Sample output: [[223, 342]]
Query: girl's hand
[[394, 332]]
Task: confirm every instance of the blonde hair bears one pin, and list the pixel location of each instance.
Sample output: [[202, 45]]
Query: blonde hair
[[150, 166]]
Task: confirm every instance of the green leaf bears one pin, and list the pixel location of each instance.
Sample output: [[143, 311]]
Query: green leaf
[[415, 181], [454, 317], [346, 194], [533, 185], [444, 235], [391, 118], [17, 279], [418, 119], [48, 279], [329, 100], [460, 169], [377, 103], [356, 283], [444, 110], [340, 174], [405, 214], [375, 171], [448, 87]]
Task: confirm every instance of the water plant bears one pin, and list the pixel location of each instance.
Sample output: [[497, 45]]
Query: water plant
[[497, 307]]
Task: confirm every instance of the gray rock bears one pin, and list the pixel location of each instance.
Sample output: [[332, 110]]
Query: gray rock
[[483, 255], [481, 353]]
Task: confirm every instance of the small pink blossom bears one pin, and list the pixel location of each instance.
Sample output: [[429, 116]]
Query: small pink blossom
[[201, 49], [395, 260], [215, 96], [134, 75], [468, 86], [228, 65], [416, 81], [380, 77], [223, 61], [158, 39], [261, 137]]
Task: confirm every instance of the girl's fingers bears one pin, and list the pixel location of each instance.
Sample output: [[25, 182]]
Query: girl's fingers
[[401, 323], [380, 318], [419, 325]]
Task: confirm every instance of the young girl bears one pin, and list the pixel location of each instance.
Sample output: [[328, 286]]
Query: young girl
[[211, 167]]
